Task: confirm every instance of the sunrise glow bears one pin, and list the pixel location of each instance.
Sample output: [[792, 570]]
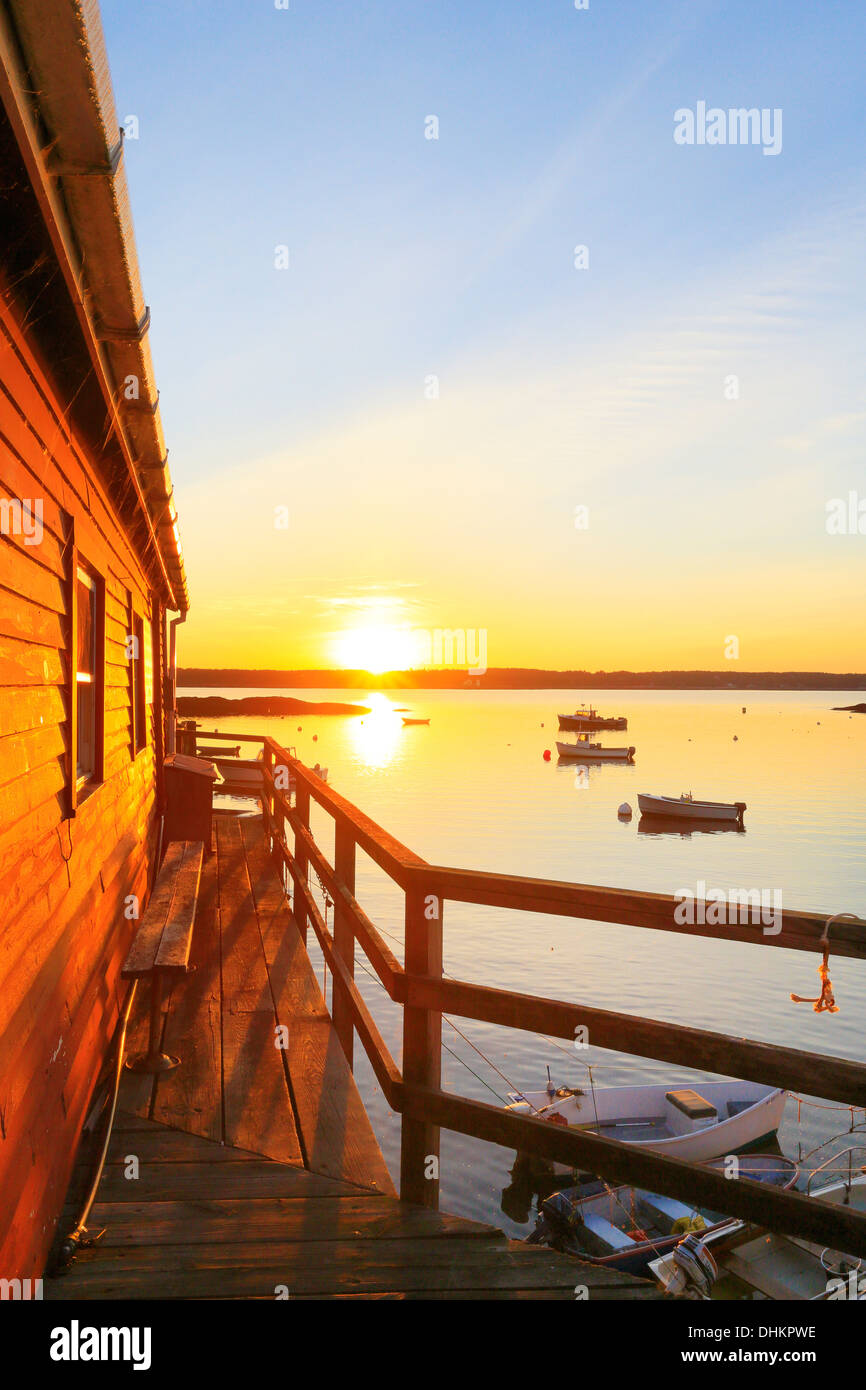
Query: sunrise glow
[[375, 648]]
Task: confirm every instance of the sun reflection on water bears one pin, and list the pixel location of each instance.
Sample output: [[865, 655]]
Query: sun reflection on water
[[374, 738]]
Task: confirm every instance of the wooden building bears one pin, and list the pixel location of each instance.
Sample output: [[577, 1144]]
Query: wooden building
[[90, 571]]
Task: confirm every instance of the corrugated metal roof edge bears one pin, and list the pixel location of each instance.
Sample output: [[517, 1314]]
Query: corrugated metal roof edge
[[81, 154]]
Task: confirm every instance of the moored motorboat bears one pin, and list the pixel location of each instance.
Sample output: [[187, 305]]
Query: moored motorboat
[[594, 752], [626, 1227], [687, 807], [415, 721], [588, 719], [721, 1117], [765, 1264]]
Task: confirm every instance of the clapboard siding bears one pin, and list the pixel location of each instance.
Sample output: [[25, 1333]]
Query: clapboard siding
[[64, 881]]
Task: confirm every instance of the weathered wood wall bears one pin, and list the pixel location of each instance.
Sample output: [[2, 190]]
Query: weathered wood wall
[[63, 881]]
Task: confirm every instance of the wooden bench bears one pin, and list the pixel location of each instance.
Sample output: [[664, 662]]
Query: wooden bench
[[162, 943]]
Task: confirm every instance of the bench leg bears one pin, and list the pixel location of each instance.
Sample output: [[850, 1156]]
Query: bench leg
[[153, 1060]]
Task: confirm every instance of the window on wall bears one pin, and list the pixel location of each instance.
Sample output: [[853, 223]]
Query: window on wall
[[137, 692], [89, 676]]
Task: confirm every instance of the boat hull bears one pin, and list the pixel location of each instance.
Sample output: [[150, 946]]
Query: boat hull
[[613, 1203], [240, 773], [575, 723], [672, 808], [575, 752], [634, 1115], [789, 1268]]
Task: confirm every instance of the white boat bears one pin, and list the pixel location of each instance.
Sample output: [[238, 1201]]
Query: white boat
[[594, 752], [683, 1121], [686, 807], [753, 1261], [245, 774], [240, 773]]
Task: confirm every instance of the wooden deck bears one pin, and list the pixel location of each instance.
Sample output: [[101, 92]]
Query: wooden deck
[[259, 1175]]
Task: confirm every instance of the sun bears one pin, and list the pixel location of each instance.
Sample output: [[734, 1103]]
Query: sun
[[375, 648]]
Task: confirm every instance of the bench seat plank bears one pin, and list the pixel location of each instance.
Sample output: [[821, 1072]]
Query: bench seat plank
[[173, 951], [160, 912]]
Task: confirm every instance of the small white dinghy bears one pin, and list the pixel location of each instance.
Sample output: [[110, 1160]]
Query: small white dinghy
[[721, 1117], [244, 775], [241, 774], [686, 807]]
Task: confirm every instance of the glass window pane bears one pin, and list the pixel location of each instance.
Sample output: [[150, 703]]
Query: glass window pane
[[86, 626], [138, 689], [86, 693]]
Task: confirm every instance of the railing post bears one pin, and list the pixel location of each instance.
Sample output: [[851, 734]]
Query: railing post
[[268, 800], [302, 811], [344, 937], [422, 1047]]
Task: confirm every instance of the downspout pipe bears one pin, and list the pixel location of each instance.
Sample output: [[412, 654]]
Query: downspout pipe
[[172, 680]]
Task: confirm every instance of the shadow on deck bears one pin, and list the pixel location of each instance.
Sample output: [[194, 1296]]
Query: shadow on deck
[[258, 1173]]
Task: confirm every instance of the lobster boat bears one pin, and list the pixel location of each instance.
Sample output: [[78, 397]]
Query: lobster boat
[[594, 752], [587, 719]]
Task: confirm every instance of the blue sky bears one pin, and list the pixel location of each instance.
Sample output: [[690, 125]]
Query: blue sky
[[454, 257]]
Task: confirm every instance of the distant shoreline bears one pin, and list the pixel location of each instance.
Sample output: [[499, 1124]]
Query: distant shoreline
[[519, 678], [263, 704]]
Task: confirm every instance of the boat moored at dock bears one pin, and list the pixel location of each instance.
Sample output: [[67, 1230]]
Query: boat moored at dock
[[757, 1263], [626, 1227], [723, 1117]]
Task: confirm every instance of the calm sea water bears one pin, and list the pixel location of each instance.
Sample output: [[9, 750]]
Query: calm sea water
[[473, 789]]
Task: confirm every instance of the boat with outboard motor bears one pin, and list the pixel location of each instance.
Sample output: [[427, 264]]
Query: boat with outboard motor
[[626, 1227]]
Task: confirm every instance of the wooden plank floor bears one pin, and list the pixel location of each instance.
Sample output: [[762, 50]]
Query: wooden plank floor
[[256, 1169], [192, 1219], [297, 1104]]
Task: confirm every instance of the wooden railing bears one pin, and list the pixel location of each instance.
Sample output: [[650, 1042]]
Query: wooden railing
[[424, 994]]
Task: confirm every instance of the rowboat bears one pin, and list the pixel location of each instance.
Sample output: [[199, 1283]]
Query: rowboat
[[244, 775], [214, 753], [755, 1262], [416, 721], [685, 807], [594, 752], [240, 773], [587, 718], [626, 1227], [724, 1117]]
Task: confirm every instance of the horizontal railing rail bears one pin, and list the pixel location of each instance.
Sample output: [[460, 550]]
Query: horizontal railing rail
[[425, 994]]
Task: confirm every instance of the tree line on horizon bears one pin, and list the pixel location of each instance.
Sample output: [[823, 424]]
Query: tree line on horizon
[[521, 678]]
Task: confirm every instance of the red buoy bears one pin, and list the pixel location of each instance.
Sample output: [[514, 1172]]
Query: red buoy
[[547, 755]]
